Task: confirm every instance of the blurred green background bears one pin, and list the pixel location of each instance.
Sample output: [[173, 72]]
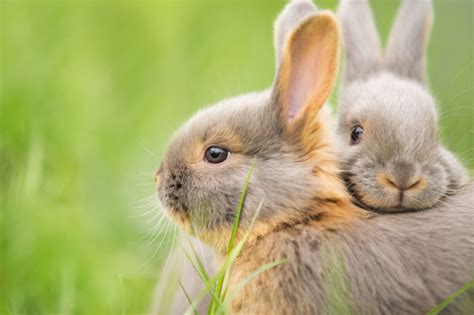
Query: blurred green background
[[90, 93]]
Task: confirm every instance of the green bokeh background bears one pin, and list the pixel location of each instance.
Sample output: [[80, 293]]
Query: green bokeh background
[[90, 93]]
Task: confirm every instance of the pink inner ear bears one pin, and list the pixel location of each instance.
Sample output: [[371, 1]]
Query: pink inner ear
[[304, 77]]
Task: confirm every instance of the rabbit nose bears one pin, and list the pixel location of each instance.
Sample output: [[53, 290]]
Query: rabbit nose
[[157, 179], [158, 176], [402, 183], [402, 174]]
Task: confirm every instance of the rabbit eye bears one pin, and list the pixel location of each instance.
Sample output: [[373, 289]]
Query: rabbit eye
[[356, 134], [216, 155]]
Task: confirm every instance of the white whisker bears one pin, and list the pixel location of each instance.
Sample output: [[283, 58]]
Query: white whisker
[[144, 184], [147, 149], [157, 249], [145, 199], [153, 209]]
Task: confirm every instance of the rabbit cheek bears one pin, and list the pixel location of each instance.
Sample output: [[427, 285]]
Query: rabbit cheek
[[377, 197], [430, 192], [364, 187]]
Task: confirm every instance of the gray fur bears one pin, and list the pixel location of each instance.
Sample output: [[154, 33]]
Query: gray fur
[[212, 195], [406, 49], [279, 171], [360, 38], [391, 264], [394, 264], [293, 13], [400, 263], [391, 102]]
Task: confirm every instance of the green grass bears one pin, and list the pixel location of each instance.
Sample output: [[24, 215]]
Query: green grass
[[217, 285], [220, 281], [89, 88], [438, 308]]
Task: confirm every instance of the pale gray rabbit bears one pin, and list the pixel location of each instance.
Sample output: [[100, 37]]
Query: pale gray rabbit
[[339, 257], [392, 158]]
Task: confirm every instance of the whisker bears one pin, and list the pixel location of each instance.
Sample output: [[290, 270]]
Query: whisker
[[144, 184], [172, 244], [148, 149], [149, 203], [142, 199], [461, 93], [155, 233], [157, 249], [147, 174], [460, 72], [146, 213]]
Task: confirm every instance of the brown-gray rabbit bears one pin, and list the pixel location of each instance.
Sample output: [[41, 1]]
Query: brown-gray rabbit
[[393, 160], [293, 13], [339, 257]]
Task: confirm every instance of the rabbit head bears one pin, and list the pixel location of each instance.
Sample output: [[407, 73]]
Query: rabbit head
[[202, 175], [392, 157]]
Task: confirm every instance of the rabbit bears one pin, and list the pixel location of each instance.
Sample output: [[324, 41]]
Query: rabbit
[[294, 12], [392, 158], [402, 263]]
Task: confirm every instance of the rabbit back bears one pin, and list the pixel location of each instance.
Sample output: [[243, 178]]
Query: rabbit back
[[401, 263]]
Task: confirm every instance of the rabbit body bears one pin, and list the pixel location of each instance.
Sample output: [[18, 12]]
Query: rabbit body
[[340, 258], [389, 264]]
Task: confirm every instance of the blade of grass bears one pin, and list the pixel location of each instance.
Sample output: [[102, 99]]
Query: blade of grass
[[200, 296], [188, 298], [200, 266], [220, 281], [208, 287], [218, 303], [239, 209], [236, 251], [335, 281], [198, 261], [438, 308], [201, 272], [252, 275], [226, 266]]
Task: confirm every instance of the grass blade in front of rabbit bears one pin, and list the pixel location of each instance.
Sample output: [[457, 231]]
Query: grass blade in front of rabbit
[[217, 285]]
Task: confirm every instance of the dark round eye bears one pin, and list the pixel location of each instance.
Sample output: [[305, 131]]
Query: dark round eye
[[216, 155], [356, 134]]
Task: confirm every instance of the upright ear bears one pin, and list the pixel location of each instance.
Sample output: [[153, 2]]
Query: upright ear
[[409, 37], [293, 13], [310, 60], [360, 39]]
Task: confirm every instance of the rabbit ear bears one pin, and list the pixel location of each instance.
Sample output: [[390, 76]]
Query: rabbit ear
[[294, 12], [360, 39], [308, 69], [408, 41]]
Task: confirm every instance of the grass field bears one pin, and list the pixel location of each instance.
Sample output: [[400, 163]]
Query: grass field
[[90, 93]]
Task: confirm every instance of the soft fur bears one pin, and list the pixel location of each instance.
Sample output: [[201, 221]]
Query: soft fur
[[390, 264], [338, 255], [399, 164]]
